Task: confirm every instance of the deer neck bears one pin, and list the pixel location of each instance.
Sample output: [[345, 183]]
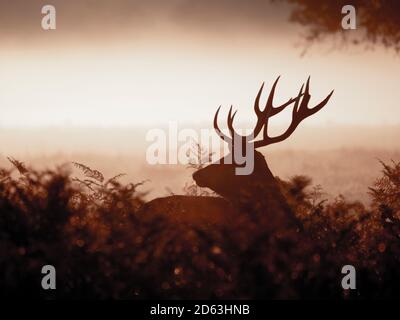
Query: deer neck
[[260, 194], [260, 186], [257, 193]]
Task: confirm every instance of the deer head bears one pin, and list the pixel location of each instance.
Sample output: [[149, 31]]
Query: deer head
[[222, 176]]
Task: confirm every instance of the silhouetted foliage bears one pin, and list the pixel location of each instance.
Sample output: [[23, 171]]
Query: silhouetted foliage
[[386, 190], [378, 21], [198, 158], [102, 247]]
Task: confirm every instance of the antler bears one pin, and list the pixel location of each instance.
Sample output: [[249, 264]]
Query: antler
[[300, 112]]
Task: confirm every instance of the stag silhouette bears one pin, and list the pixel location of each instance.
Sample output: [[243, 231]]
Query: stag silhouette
[[256, 193]]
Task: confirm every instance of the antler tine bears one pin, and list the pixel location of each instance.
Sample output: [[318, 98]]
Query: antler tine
[[304, 110], [231, 117], [259, 113], [266, 137], [257, 109], [230, 123], [218, 130], [301, 93], [297, 108], [269, 110], [263, 115], [300, 112], [276, 110], [269, 106]]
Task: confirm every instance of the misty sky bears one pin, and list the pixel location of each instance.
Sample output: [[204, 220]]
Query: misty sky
[[122, 63]]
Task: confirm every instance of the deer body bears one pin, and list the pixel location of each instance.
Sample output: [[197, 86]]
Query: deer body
[[257, 193], [192, 210]]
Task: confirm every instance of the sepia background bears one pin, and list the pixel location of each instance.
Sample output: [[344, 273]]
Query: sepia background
[[91, 89]]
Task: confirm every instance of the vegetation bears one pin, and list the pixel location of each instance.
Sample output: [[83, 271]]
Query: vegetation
[[377, 22], [91, 230]]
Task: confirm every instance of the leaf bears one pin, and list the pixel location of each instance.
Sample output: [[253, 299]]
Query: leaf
[[114, 179], [20, 166], [88, 172]]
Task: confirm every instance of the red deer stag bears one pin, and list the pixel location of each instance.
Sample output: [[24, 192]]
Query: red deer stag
[[256, 193]]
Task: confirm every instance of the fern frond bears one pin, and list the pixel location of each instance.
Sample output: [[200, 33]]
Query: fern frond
[[114, 179], [20, 166], [88, 172]]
